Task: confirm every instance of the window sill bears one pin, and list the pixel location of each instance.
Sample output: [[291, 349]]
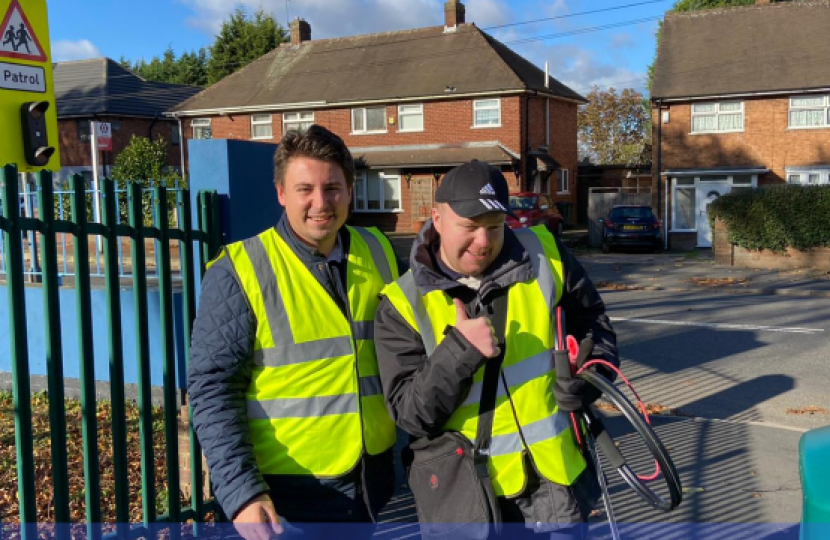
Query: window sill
[[563, 192], [368, 132], [807, 128], [410, 131], [486, 127], [271, 138], [716, 132], [396, 211]]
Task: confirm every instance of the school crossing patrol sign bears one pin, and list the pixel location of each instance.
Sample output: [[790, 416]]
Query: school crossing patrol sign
[[28, 115]]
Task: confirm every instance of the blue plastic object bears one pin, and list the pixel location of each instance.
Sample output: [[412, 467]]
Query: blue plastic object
[[814, 465]]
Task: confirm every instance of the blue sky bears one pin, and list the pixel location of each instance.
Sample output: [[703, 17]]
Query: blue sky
[[616, 56]]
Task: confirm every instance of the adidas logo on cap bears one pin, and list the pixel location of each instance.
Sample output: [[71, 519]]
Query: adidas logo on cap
[[487, 190]]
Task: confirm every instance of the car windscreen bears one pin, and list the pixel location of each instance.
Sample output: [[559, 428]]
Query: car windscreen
[[634, 212], [522, 203]]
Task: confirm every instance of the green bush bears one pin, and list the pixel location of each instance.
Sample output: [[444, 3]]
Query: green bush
[[776, 217]]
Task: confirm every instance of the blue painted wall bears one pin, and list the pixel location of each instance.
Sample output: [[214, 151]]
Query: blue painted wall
[[36, 324], [243, 173]]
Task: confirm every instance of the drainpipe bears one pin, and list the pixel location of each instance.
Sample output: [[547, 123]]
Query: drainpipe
[[527, 145], [660, 176], [181, 149], [150, 129]]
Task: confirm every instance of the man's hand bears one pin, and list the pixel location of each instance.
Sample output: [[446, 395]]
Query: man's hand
[[573, 392], [479, 331], [258, 519]]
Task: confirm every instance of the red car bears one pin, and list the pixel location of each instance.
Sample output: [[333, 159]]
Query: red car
[[534, 209]]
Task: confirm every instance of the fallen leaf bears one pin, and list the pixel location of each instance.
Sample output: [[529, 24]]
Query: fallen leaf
[[810, 409]]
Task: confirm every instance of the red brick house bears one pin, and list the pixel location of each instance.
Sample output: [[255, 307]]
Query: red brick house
[[102, 90], [410, 105], [740, 99]]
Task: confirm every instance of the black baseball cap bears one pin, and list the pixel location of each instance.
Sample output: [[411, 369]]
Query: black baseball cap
[[475, 188]]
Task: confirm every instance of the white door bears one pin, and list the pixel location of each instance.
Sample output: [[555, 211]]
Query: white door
[[706, 193]]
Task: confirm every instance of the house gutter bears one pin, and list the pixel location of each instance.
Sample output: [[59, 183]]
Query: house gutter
[[748, 94], [276, 107]]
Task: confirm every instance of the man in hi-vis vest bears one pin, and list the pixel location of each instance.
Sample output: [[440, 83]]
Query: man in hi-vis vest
[[434, 337], [283, 378]]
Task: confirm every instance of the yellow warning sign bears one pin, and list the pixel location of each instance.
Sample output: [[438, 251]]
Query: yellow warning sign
[[28, 112]]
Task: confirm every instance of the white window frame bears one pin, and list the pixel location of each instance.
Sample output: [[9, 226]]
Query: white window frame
[[362, 177], [200, 124], [302, 117], [410, 113], [825, 107], [802, 177], [365, 130], [563, 179], [717, 113], [262, 122], [695, 185], [477, 106]]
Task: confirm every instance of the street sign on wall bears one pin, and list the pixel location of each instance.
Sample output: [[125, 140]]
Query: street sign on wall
[[26, 78]]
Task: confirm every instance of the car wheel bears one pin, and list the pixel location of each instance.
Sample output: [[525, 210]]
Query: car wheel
[[606, 248], [560, 227]]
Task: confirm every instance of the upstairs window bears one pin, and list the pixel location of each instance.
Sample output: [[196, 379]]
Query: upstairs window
[[411, 117], [718, 117], [297, 121], [201, 128], [261, 127], [84, 133], [487, 113], [809, 112], [369, 120]]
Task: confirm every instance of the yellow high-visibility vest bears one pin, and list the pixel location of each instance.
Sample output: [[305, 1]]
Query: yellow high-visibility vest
[[526, 418], [315, 402]]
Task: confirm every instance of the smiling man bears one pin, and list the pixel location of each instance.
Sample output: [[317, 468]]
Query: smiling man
[[479, 294], [283, 377]]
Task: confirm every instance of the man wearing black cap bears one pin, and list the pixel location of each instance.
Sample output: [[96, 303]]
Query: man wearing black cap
[[476, 294]]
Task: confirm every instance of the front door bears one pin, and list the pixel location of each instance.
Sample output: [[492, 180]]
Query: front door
[[706, 193]]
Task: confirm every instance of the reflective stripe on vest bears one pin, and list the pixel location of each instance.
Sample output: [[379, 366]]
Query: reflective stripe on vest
[[527, 368], [315, 376]]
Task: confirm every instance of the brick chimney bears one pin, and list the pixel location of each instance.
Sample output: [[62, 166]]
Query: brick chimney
[[453, 13], [300, 32]]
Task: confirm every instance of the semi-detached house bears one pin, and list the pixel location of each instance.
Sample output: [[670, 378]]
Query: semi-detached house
[[740, 99], [410, 105]]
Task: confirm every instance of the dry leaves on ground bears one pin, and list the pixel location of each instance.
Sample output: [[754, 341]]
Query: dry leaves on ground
[[651, 409], [9, 511], [810, 409], [617, 286], [718, 282]]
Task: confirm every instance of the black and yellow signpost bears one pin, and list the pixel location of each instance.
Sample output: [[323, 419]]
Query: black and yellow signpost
[[28, 116]]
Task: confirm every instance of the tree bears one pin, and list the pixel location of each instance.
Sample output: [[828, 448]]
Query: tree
[[190, 68], [241, 41], [614, 128], [692, 5], [145, 161]]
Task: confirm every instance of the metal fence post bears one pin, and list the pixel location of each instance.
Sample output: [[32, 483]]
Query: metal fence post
[[20, 351]]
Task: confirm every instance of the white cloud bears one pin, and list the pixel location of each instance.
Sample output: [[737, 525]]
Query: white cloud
[[621, 41], [64, 50]]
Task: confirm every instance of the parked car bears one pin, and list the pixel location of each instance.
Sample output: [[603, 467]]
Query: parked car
[[534, 209], [631, 225]]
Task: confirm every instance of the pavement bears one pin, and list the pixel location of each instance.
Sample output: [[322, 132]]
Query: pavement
[[688, 271], [740, 477]]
